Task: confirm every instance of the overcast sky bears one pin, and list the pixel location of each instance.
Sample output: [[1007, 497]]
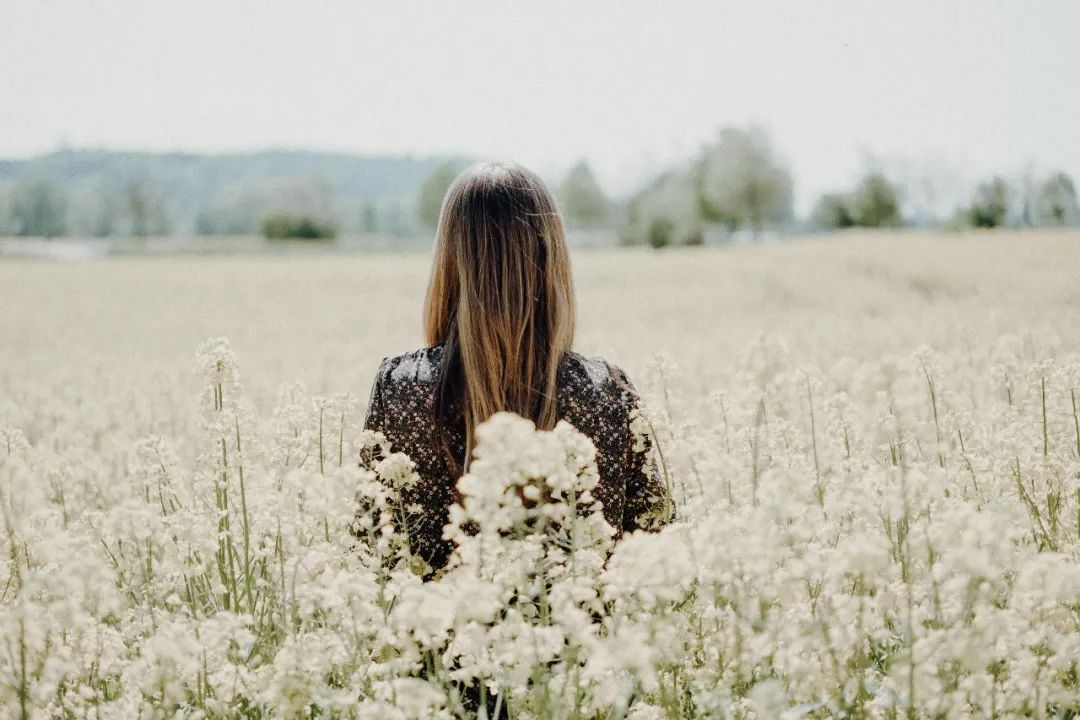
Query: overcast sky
[[961, 87]]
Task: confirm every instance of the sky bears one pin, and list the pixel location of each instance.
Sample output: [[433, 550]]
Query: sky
[[951, 91]]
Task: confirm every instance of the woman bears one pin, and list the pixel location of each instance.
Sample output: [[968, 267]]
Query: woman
[[499, 320]]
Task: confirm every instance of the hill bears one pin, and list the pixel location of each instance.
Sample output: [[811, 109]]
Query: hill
[[100, 192]]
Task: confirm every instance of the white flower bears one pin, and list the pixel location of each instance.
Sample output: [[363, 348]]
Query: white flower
[[217, 362]]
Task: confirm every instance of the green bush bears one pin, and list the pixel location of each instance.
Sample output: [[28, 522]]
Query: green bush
[[874, 203], [286, 226], [835, 211], [660, 232], [877, 203], [990, 208]]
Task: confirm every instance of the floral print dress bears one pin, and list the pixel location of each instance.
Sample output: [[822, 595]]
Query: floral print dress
[[594, 396]]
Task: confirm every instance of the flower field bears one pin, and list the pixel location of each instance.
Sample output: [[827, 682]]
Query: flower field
[[873, 442]]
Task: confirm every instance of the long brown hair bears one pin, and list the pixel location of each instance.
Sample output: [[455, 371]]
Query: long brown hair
[[500, 300]]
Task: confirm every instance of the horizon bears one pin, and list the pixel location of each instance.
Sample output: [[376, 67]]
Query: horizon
[[950, 92]]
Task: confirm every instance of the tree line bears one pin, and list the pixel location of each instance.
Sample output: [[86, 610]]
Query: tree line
[[96, 193], [736, 183]]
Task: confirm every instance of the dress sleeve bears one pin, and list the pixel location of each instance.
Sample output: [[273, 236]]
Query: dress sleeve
[[649, 505], [376, 418], [367, 512]]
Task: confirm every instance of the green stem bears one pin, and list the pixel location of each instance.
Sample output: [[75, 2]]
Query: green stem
[[813, 442], [246, 523]]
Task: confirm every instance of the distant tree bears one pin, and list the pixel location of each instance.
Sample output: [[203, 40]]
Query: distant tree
[[875, 202], [432, 192], [583, 202], [834, 211], [369, 221], [1055, 201], [990, 206], [241, 208], [1028, 191], [106, 212], [396, 217], [287, 226], [145, 209], [660, 232], [665, 213], [211, 194], [5, 207], [741, 183], [38, 209], [139, 210], [205, 223]]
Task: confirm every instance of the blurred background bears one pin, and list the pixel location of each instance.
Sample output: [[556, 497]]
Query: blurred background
[[272, 126]]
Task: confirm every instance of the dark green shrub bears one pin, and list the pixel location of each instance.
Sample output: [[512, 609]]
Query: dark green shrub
[[660, 231], [876, 203], [834, 212], [990, 208], [287, 226]]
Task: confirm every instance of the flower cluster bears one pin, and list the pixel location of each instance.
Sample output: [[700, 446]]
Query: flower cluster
[[897, 538]]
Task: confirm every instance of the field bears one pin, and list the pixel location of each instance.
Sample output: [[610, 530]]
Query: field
[[873, 441]]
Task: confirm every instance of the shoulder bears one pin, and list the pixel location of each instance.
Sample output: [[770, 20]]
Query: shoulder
[[597, 375], [411, 368]]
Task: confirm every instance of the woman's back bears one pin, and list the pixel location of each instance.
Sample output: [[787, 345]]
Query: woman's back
[[499, 324], [593, 395]]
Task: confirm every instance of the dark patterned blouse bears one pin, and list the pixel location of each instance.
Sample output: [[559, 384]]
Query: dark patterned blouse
[[595, 396]]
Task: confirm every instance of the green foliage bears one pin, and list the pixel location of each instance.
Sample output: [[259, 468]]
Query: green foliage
[[432, 192], [990, 207], [660, 232], [38, 209], [741, 183], [145, 210], [835, 211], [1056, 202], [229, 193], [876, 202], [243, 208], [582, 201], [287, 226], [666, 213]]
